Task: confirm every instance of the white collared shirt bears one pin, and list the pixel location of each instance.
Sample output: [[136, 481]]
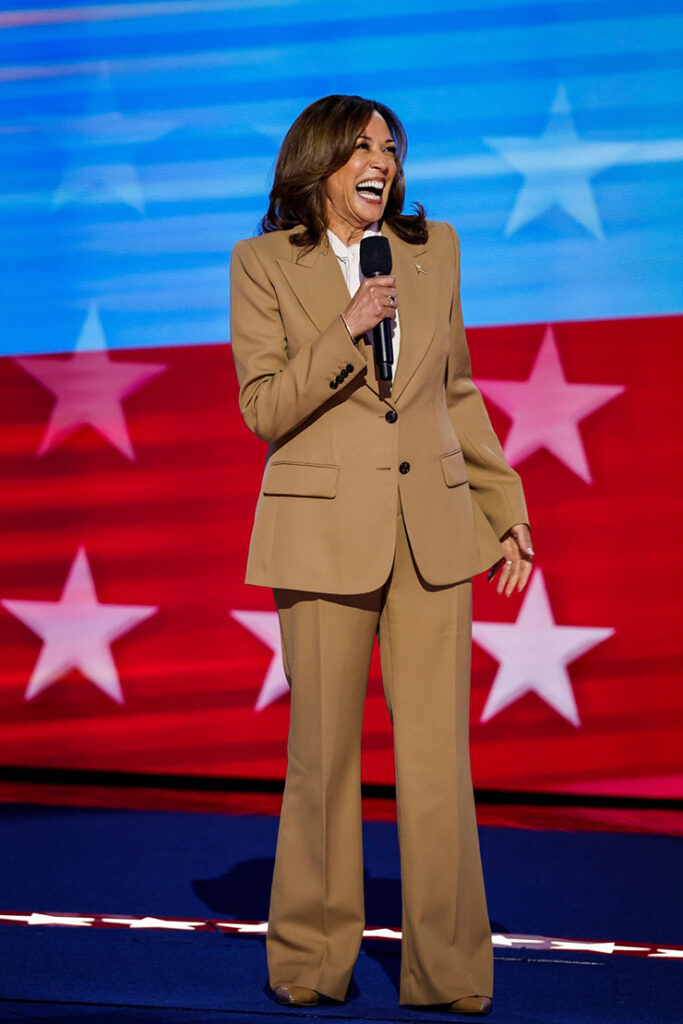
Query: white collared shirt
[[349, 261]]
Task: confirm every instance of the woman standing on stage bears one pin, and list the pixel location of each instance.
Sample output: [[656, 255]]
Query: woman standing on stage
[[378, 505]]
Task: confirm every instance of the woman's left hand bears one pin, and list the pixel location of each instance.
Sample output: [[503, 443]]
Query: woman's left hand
[[517, 565]]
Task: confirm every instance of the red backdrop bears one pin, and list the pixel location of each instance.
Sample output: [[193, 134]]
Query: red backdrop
[[152, 476]]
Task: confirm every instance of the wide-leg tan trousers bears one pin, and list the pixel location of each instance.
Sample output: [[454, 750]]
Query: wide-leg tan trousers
[[317, 909]]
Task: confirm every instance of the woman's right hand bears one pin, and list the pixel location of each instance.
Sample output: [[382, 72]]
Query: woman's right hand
[[371, 304]]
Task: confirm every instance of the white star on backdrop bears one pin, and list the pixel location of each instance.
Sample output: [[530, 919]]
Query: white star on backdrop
[[546, 409], [533, 653], [557, 167], [266, 627], [89, 177], [77, 632], [89, 388]]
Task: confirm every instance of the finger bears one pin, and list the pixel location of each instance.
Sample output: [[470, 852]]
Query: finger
[[524, 575], [522, 536], [388, 313], [384, 299], [384, 281], [384, 308], [513, 578], [504, 576], [384, 286]]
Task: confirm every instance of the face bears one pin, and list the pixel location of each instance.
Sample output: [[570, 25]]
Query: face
[[357, 193]]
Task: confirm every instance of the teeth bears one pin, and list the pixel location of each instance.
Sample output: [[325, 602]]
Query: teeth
[[371, 190]]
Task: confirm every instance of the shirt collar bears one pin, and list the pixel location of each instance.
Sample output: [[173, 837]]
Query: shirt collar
[[342, 251]]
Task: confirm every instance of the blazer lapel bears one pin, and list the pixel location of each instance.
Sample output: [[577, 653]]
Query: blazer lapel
[[318, 283], [417, 282]]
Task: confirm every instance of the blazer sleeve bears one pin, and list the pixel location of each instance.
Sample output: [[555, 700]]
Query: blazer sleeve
[[277, 393], [495, 486]]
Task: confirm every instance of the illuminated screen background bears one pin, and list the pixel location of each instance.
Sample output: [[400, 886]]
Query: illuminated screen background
[[137, 143]]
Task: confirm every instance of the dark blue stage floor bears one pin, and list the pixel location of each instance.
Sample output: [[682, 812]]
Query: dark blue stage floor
[[599, 886]]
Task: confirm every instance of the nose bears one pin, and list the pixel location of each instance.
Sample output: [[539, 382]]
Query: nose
[[380, 161]]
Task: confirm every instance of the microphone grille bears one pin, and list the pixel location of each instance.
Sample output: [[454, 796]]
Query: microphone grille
[[375, 256]]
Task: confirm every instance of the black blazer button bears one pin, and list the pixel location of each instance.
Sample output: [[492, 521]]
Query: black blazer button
[[391, 416], [404, 467], [343, 374], [333, 384], [349, 368], [339, 379]]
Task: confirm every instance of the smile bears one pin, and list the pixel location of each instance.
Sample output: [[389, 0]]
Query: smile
[[371, 190]]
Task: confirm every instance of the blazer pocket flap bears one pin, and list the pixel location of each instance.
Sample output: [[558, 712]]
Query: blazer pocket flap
[[301, 479], [454, 468]]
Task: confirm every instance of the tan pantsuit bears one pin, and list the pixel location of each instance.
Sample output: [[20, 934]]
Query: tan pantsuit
[[316, 915], [342, 454]]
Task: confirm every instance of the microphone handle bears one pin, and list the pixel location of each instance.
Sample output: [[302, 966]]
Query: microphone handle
[[383, 348]]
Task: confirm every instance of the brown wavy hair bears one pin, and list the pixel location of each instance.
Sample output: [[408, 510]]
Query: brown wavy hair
[[320, 141]]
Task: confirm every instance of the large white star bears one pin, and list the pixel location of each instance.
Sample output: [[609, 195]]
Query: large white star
[[533, 653], [557, 166], [77, 631], [89, 388], [90, 174], [266, 627], [546, 409]]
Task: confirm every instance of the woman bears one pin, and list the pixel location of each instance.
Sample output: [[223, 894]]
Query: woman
[[377, 507]]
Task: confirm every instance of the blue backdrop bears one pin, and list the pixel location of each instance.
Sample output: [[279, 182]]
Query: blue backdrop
[[137, 143]]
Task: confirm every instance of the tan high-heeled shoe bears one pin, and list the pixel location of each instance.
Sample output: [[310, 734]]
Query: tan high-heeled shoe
[[296, 995], [476, 1006]]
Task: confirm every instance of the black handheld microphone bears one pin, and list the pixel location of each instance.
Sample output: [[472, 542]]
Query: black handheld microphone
[[375, 261]]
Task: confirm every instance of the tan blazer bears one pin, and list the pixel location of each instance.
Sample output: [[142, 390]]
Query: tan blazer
[[337, 457]]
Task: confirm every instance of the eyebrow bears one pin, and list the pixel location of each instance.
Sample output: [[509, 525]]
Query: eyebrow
[[364, 136]]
